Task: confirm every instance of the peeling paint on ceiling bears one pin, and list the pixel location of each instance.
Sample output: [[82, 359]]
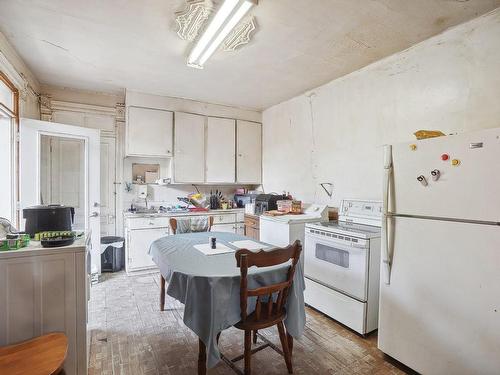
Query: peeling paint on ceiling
[[111, 45]]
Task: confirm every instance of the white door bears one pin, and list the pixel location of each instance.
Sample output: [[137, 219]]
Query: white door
[[440, 313], [189, 145], [468, 190], [62, 174], [149, 132], [108, 186], [30, 172], [221, 157], [249, 151], [139, 241]]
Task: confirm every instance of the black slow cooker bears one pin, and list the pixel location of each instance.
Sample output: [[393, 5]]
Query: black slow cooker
[[53, 217]]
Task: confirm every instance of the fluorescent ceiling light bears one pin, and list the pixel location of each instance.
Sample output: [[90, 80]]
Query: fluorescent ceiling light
[[210, 40]]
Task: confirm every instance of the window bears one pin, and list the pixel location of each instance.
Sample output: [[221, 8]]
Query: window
[[9, 116]]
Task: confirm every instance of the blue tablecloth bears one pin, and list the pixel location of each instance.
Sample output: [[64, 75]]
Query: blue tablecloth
[[209, 286]]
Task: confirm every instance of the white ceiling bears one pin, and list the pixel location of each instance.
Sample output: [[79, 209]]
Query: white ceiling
[[115, 44]]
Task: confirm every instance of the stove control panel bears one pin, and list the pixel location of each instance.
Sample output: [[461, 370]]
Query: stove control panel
[[361, 211]]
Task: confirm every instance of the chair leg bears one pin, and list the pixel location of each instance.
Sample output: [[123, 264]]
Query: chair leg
[[255, 336], [290, 343], [202, 358], [286, 348], [162, 293], [248, 352]]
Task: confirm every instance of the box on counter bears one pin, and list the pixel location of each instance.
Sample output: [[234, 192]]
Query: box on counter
[[289, 206]]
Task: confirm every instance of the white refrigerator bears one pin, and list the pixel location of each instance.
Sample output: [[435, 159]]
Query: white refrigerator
[[440, 288]]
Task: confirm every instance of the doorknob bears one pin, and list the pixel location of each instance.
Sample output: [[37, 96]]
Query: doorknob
[[94, 214]]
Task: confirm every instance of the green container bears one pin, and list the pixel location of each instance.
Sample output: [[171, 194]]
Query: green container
[[15, 243]]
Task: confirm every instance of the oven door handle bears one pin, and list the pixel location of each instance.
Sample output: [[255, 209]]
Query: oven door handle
[[386, 219], [349, 247]]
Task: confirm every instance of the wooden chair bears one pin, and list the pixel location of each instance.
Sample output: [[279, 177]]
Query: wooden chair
[[270, 307], [173, 229], [42, 355], [173, 224]]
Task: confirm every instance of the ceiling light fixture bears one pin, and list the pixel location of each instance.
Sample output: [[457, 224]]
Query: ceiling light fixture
[[227, 17]]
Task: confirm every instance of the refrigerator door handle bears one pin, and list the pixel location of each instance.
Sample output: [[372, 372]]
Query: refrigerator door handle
[[386, 220]]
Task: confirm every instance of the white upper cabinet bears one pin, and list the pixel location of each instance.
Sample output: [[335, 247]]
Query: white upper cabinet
[[221, 150], [149, 132], [249, 152], [189, 145]]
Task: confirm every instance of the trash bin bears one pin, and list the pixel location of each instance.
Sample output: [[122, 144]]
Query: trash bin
[[112, 254]]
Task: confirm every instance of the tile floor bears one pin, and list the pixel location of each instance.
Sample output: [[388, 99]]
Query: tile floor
[[130, 335]]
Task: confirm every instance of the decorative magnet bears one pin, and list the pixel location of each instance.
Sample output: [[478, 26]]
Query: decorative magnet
[[455, 162], [435, 174], [422, 180], [445, 157], [413, 147]]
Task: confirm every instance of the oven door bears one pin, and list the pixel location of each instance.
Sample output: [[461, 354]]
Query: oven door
[[337, 264]]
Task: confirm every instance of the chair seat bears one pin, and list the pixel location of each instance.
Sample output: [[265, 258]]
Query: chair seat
[[252, 323], [42, 355]]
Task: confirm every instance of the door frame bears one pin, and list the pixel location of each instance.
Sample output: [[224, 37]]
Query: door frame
[[30, 174]]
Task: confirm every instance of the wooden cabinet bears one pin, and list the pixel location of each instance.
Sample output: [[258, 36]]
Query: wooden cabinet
[[149, 132], [189, 145], [249, 152], [43, 291], [220, 150], [252, 226]]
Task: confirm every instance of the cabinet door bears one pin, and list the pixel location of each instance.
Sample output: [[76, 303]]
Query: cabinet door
[[189, 144], [240, 228], [249, 151], [149, 132], [139, 242], [221, 157], [224, 228], [43, 294]]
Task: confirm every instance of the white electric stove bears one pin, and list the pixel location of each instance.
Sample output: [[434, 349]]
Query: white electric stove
[[342, 265]]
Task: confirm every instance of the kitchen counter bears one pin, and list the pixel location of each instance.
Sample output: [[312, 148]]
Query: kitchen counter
[[35, 248], [176, 214]]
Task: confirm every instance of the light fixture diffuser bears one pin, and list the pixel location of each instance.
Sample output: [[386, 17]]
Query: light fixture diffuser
[[221, 25]]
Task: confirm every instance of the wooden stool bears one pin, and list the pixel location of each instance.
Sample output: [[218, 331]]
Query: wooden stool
[[42, 355]]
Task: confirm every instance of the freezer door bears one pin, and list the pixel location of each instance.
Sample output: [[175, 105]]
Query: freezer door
[[469, 190], [441, 312]]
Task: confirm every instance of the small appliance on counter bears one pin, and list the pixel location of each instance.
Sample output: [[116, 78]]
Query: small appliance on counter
[[267, 202], [243, 199], [49, 218]]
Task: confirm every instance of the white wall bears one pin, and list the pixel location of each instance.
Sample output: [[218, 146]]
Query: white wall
[[334, 133], [21, 76], [138, 99]]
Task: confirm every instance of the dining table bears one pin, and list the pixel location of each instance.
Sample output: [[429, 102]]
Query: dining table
[[208, 284]]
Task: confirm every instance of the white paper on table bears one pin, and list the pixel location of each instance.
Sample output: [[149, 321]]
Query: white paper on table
[[247, 244], [206, 249]]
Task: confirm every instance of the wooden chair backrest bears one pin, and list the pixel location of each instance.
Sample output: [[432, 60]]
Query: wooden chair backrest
[[173, 224], [246, 258]]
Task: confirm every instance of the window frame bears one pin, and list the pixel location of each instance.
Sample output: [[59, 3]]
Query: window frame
[[13, 113]]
